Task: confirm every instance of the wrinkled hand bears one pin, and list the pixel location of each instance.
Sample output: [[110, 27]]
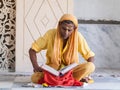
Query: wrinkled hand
[[37, 69]]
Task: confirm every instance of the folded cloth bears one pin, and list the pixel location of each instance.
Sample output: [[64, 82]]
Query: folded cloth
[[65, 80]]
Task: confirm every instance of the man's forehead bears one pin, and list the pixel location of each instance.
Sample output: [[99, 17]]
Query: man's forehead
[[67, 25]]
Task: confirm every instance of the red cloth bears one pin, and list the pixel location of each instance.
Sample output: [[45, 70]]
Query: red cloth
[[65, 80]]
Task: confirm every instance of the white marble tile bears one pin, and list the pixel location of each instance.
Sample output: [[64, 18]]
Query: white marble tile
[[22, 79], [104, 82], [6, 84], [104, 86], [104, 40], [7, 78]]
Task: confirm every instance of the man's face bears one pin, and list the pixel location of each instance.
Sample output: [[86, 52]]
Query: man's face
[[66, 30]]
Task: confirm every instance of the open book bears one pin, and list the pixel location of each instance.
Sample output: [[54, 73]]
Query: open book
[[59, 72]]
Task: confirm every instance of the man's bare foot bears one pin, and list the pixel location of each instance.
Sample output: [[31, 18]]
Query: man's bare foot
[[86, 79]]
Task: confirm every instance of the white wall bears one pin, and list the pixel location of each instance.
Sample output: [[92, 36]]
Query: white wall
[[97, 9], [33, 19]]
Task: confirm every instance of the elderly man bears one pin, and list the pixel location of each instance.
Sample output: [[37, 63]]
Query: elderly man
[[63, 45]]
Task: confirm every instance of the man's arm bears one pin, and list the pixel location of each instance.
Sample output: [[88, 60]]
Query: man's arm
[[33, 58], [91, 59]]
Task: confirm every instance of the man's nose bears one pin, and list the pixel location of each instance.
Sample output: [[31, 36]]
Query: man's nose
[[66, 32]]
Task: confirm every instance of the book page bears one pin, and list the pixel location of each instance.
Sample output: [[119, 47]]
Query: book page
[[68, 68], [50, 69]]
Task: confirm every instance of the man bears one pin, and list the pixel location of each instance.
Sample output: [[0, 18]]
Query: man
[[63, 45]]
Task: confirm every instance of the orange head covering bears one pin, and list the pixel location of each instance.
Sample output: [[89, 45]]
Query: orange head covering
[[71, 53], [69, 17]]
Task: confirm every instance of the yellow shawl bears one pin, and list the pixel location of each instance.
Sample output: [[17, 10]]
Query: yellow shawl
[[71, 54]]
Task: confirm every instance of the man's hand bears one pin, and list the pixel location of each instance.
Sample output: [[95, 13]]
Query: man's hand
[[91, 59], [33, 58], [37, 69]]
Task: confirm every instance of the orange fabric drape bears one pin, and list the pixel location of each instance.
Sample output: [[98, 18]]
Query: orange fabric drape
[[65, 80], [71, 54]]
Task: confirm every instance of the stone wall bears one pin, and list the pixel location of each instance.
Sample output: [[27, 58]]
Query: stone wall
[[104, 40]]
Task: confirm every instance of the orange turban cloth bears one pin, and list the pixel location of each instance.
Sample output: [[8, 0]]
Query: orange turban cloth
[[71, 53]]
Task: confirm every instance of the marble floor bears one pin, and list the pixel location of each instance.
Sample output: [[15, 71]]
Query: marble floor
[[105, 79]]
